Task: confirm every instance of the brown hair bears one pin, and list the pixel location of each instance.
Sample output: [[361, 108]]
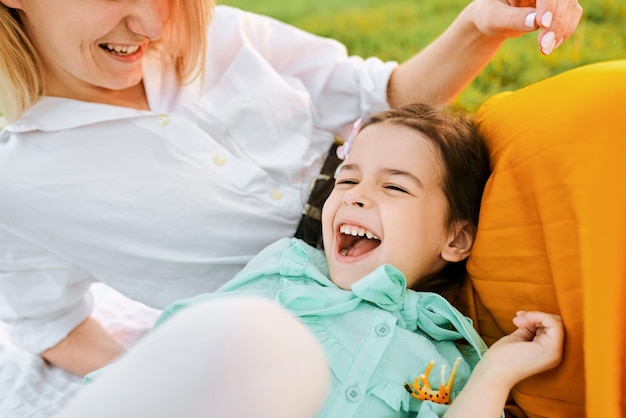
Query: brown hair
[[465, 171]]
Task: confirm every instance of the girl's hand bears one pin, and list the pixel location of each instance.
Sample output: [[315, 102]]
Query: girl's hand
[[536, 346], [556, 19]]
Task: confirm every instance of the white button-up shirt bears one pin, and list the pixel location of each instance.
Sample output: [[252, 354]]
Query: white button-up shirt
[[168, 203]]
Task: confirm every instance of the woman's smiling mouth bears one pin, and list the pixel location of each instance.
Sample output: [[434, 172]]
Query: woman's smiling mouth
[[123, 50]]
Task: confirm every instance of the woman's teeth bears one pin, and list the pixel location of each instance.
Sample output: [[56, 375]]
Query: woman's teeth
[[121, 49]]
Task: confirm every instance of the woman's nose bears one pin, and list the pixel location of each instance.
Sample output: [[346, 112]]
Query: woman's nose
[[148, 17]]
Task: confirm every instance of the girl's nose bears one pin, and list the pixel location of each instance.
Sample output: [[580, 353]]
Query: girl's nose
[[359, 204], [356, 196]]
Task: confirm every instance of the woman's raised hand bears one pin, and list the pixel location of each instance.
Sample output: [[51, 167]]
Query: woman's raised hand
[[556, 19]]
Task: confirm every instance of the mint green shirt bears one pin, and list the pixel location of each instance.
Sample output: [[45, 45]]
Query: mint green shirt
[[377, 337]]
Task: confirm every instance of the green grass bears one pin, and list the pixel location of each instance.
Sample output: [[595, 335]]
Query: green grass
[[397, 29]]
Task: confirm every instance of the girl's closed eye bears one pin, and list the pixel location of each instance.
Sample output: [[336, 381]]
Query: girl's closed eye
[[346, 181], [395, 187]]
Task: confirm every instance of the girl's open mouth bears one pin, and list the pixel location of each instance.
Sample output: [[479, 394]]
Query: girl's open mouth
[[355, 241]]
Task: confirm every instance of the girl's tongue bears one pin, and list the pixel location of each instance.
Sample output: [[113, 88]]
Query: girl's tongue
[[356, 245]]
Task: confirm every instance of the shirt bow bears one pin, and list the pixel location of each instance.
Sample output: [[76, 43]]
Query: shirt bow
[[385, 287]]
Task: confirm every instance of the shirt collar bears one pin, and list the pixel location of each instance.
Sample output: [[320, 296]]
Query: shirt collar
[[59, 113], [385, 287]]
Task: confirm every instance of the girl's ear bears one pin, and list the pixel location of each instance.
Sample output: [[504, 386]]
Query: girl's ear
[[460, 242]]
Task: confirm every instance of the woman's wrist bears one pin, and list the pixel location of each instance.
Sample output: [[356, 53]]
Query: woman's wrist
[[87, 348]]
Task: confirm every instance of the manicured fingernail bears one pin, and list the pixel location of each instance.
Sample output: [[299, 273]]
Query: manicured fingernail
[[546, 19], [547, 39], [529, 21], [548, 43]]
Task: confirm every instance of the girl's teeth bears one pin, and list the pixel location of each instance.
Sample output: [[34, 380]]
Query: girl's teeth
[[354, 231]]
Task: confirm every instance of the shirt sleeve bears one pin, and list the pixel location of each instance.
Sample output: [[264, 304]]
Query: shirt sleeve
[[42, 297], [343, 87]]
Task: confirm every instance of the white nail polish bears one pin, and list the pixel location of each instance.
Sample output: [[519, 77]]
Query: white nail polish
[[529, 21], [548, 50], [547, 40], [546, 19]]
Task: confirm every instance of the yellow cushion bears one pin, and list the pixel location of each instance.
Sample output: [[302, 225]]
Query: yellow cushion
[[552, 233]]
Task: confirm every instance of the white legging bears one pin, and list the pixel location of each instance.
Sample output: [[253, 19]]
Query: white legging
[[232, 357]]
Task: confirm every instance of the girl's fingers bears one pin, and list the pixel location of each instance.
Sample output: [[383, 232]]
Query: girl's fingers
[[534, 320]]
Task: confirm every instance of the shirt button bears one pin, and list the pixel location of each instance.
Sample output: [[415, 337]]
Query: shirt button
[[382, 330], [353, 394], [219, 160], [277, 194], [163, 119]]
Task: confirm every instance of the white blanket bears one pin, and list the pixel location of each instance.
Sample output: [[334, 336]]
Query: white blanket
[[30, 388]]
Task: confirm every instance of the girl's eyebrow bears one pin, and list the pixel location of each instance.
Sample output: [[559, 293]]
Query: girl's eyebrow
[[388, 171], [344, 166]]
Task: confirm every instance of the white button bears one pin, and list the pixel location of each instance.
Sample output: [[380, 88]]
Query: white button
[[353, 394], [277, 194], [163, 119], [219, 160], [382, 330]]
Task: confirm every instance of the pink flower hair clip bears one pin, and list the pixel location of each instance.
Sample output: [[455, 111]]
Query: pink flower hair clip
[[344, 149]]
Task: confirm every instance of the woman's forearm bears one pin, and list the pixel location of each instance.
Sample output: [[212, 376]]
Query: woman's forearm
[[438, 73], [87, 348]]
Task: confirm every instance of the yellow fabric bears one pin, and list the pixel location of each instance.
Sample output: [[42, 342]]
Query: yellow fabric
[[552, 233]]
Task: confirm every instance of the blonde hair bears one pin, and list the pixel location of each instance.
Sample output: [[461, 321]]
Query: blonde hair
[[21, 80], [186, 38]]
